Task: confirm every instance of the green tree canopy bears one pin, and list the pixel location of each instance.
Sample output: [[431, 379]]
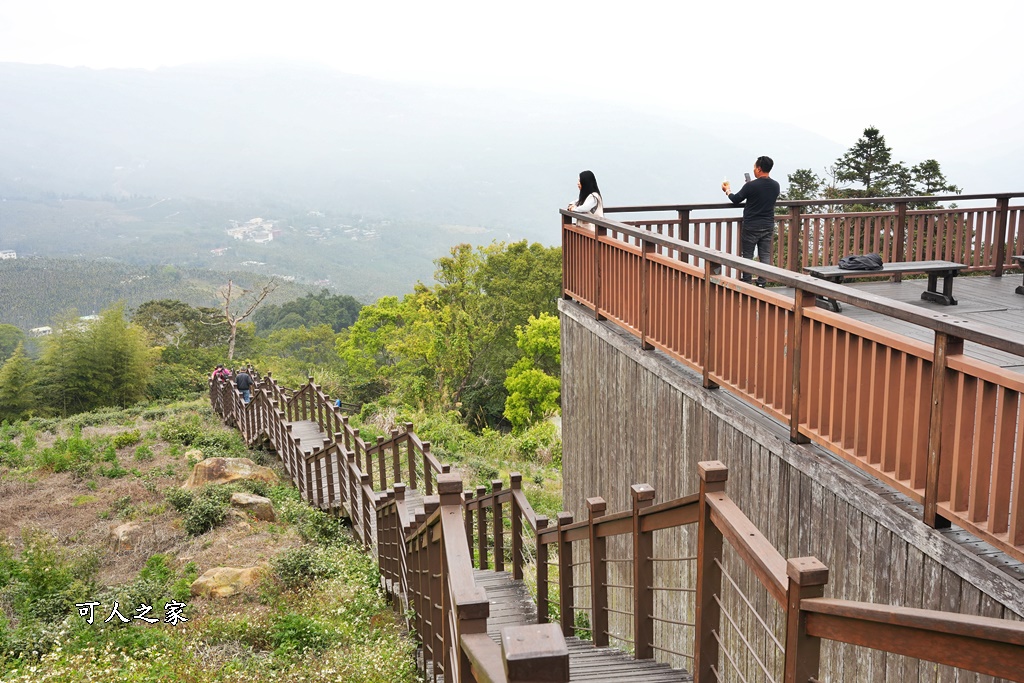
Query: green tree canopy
[[11, 338], [16, 386], [87, 365]]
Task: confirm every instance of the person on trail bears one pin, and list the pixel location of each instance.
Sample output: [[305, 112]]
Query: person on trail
[[244, 383]]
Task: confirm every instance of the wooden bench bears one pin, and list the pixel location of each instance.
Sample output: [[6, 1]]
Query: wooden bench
[[1020, 264], [946, 269]]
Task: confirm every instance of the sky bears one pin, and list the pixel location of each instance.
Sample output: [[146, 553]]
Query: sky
[[922, 72]]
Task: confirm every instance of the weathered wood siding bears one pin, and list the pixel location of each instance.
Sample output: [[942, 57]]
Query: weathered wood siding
[[632, 416]]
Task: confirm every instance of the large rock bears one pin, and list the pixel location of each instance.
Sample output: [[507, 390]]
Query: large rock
[[227, 470], [220, 582], [257, 506], [127, 536]]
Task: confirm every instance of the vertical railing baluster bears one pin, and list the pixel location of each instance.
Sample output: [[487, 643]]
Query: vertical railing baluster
[[516, 516], [481, 528], [543, 589], [945, 346], [713, 475], [646, 249], [801, 299], [598, 574], [565, 578], [498, 524], [643, 575]]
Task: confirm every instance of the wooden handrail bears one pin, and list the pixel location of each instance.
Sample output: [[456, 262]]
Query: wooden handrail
[[994, 647], [426, 563], [794, 356], [817, 202]]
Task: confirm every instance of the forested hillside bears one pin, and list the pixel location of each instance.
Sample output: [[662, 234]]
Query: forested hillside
[[35, 291]]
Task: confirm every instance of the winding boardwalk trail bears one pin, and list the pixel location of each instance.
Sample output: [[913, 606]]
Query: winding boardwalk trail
[[511, 605]]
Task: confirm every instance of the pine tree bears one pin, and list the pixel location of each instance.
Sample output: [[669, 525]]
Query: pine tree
[[869, 164]]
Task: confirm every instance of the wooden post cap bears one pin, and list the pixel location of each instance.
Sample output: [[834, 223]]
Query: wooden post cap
[[564, 518], [807, 571], [642, 492], [515, 480], [542, 521], [596, 506], [497, 484], [431, 503], [399, 490], [536, 652], [449, 483], [712, 470]]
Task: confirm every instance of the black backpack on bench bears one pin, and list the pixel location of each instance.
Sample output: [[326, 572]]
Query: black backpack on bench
[[865, 262]]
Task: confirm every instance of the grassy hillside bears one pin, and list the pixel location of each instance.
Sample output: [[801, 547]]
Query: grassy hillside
[[316, 613]]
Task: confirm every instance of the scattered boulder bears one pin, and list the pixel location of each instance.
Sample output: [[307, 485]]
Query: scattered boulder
[[257, 506], [193, 454], [127, 536], [227, 470], [221, 582]]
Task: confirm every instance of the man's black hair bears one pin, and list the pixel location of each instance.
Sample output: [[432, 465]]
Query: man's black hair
[[765, 164]]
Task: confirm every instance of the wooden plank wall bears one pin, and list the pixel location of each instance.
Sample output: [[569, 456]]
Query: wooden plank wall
[[632, 416]]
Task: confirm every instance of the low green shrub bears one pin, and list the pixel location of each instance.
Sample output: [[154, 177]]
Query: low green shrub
[[297, 633], [300, 567], [127, 438]]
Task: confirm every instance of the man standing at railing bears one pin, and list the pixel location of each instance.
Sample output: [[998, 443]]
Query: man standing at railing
[[758, 214]]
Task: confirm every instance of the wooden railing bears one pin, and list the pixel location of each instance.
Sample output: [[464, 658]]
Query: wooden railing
[[427, 557], [924, 418], [716, 626], [424, 561], [984, 238]]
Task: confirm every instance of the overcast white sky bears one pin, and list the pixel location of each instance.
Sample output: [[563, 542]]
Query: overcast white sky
[[914, 69]]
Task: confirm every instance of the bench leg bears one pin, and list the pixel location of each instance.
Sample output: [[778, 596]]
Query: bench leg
[[932, 294], [831, 304], [1020, 290]]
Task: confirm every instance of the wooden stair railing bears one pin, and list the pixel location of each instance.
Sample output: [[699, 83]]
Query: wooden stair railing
[[424, 559], [793, 589], [427, 560]]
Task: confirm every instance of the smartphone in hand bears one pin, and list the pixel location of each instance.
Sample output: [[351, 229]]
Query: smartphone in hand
[[746, 177]]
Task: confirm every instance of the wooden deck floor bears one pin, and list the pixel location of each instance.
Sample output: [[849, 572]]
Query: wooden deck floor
[[982, 298]]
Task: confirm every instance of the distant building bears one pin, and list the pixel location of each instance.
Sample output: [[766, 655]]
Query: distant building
[[8, 254], [41, 331]]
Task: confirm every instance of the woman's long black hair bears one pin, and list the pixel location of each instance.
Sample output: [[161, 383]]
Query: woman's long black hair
[[588, 185]]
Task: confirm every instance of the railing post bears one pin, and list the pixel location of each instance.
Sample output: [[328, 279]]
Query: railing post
[[801, 300], [498, 523], [900, 237], [381, 464], [566, 220], [565, 578], [481, 528], [709, 270], [643, 576], [534, 654], [807, 579], [598, 574], [646, 249], [599, 232], [684, 232], [467, 520], [516, 515], [542, 573], [713, 475], [945, 346], [428, 479], [410, 454], [1002, 214], [793, 254], [395, 460]]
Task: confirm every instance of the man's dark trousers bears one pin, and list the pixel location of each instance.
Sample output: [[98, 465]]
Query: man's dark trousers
[[760, 237]]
